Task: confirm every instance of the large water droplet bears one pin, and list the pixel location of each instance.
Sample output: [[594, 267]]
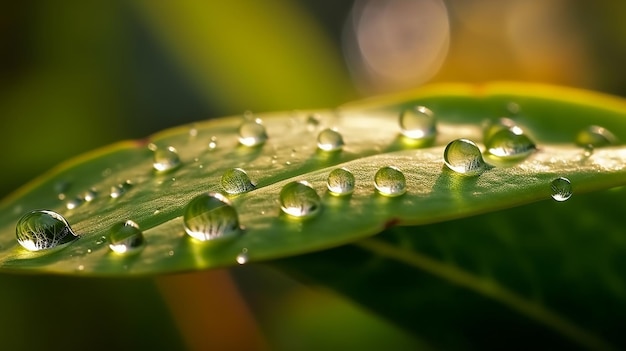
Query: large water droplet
[[120, 189], [340, 182], [329, 140], [252, 133], [125, 237], [166, 159], [299, 199], [463, 156], [418, 123], [390, 181], [595, 136], [210, 216], [42, 230], [506, 140], [236, 181], [561, 189]]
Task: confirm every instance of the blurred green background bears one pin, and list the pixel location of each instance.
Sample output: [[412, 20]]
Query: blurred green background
[[78, 75]]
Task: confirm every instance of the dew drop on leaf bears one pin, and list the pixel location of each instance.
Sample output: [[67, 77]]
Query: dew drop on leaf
[[210, 216], [506, 140], [166, 159], [299, 199], [595, 136], [390, 181], [588, 150], [125, 237], [418, 123], [329, 140], [43, 230], [213, 143], [561, 189], [252, 133], [73, 203], [120, 189], [236, 181], [463, 156], [90, 195], [340, 182], [242, 258]]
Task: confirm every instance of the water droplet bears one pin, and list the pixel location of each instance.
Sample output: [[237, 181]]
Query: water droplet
[[75, 202], [120, 189], [252, 133], [236, 181], [595, 136], [299, 199], [125, 237], [390, 181], [101, 240], [329, 140], [507, 141], [340, 182], [166, 159], [210, 216], [463, 156], [213, 143], [90, 195], [242, 258], [588, 150], [513, 108], [42, 230], [193, 131], [561, 189], [80, 268], [418, 123], [312, 122]]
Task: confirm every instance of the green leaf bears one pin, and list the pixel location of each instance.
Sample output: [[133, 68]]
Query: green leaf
[[547, 275], [551, 116]]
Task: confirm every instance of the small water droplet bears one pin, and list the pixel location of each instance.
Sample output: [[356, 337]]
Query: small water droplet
[[418, 123], [506, 140], [101, 240], [513, 108], [299, 199], [561, 189], [252, 133], [236, 181], [74, 203], [125, 237], [213, 143], [340, 182], [80, 268], [210, 216], [170, 253], [193, 131], [329, 140], [121, 189], [166, 159], [463, 156], [312, 122], [242, 258], [42, 230], [390, 181], [588, 150], [595, 136], [90, 195]]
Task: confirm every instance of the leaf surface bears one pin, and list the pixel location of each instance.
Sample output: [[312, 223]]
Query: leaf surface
[[551, 116]]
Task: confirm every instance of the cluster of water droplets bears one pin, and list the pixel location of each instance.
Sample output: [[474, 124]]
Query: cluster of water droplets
[[211, 216]]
